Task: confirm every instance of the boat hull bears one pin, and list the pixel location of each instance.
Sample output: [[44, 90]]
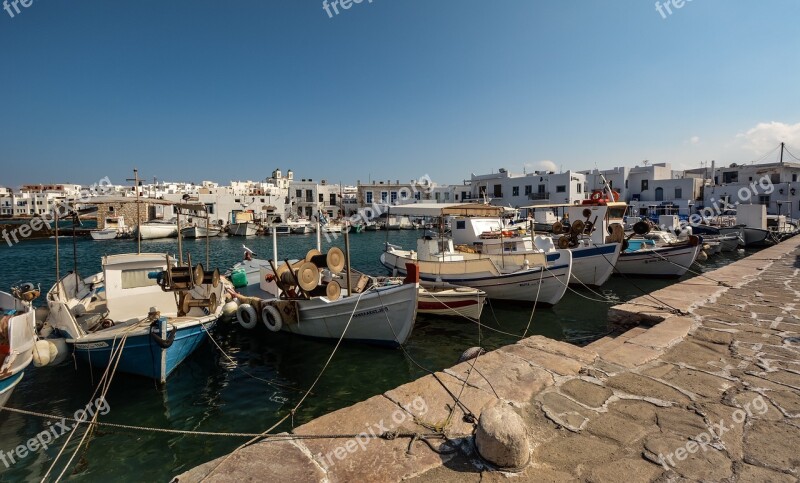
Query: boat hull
[[7, 386], [383, 316], [460, 302], [593, 265], [141, 355], [108, 234], [156, 231], [535, 284], [200, 232], [242, 229], [658, 262]]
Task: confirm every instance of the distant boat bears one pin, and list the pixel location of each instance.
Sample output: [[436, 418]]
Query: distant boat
[[200, 231], [17, 338], [114, 228], [645, 257], [372, 226], [245, 228], [152, 230]]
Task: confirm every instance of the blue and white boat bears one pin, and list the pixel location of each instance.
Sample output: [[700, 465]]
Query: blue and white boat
[[17, 338], [156, 314]]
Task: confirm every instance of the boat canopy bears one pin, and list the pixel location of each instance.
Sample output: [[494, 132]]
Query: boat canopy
[[610, 204], [449, 209]]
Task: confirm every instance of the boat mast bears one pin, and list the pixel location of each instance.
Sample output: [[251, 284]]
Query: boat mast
[[138, 211]]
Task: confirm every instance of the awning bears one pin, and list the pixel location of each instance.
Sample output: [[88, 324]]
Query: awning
[[449, 209]]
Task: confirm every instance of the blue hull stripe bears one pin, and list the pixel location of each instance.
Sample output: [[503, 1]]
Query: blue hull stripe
[[9, 382]]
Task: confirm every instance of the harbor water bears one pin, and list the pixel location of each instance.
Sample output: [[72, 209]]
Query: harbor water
[[255, 377]]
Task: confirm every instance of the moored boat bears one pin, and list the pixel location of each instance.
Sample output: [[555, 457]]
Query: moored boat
[[200, 231], [17, 337], [152, 230]]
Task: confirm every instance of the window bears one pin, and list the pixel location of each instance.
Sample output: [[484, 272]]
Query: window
[[322, 198], [297, 194], [644, 185], [394, 196], [794, 177], [498, 191], [333, 198], [417, 195], [659, 194], [542, 189], [579, 187], [763, 200], [463, 195], [369, 196], [515, 191], [210, 208], [384, 196], [138, 278], [730, 177], [626, 184], [528, 190], [461, 224], [436, 196], [447, 196], [561, 189], [678, 193]]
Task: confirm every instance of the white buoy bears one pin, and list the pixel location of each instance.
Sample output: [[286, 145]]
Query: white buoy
[[41, 353], [229, 310], [50, 352], [61, 351]]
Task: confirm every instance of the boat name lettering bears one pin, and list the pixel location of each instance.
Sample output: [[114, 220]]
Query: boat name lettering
[[92, 345], [370, 312]]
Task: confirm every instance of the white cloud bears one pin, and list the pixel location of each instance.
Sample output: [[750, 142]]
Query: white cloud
[[544, 165], [694, 140], [766, 135]]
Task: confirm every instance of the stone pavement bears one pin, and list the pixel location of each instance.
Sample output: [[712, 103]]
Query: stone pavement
[[706, 389]]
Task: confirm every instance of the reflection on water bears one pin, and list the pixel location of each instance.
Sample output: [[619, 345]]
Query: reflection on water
[[266, 374]]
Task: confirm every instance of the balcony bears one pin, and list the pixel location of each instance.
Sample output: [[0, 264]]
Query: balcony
[[538, 196]]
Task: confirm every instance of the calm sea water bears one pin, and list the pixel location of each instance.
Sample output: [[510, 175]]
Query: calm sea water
[[208, 392]]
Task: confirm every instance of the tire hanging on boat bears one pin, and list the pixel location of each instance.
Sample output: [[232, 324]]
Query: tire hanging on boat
[[272, 318], [247, 316]]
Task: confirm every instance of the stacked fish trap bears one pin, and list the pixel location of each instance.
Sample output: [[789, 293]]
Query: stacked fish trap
[[305, 276]]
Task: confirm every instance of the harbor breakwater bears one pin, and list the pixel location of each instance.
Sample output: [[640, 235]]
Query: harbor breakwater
[[704, 385]]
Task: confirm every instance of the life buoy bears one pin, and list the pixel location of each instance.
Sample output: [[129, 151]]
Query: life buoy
[[597, 196], [246, 315], [272, 318]]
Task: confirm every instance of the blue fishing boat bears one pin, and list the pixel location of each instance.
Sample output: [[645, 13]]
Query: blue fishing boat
[[141, 309], [17, 338]]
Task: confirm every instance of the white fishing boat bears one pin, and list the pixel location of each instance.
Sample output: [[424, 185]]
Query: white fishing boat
[[594, 252], [156, 313], [114, 227], [197, 231], [335, 227], [644, 257], [316, 298], [153, 230], [372, 226], [301, 226], [105, 234], [245, 228], [17, 337], [540, 276]]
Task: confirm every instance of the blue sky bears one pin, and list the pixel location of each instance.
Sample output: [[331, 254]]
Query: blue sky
[[393, 89]]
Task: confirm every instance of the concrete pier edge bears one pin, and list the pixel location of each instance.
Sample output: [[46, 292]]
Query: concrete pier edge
[[638, 406]]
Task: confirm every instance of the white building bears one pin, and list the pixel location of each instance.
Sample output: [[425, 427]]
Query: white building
[[519, 190]]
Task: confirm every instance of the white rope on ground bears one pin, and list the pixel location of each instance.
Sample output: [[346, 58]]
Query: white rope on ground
[[292, 412]]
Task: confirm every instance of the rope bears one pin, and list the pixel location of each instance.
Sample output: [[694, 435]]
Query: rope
[[293, 410], [699, 274], [673, 310]]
